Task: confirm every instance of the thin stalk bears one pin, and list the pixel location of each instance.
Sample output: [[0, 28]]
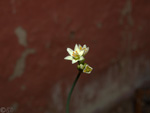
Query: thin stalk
[[70, 93]]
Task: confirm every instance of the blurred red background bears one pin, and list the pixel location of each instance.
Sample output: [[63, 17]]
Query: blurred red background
[[34, 35]]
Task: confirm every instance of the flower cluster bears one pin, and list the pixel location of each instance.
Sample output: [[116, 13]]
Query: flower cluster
[[77, 55]]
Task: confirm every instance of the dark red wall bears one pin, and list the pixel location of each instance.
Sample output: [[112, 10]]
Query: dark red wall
[[34, 35]]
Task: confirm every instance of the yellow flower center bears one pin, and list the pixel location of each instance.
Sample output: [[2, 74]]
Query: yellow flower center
[[76, 55], [87, 69], [81, 48]]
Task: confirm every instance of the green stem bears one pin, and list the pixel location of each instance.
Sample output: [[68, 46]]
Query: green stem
[[70, 93]]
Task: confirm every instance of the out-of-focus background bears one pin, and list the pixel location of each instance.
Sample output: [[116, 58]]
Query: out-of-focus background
[[34, 35]]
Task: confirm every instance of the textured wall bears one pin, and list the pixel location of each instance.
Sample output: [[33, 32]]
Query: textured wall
[[34, 35]]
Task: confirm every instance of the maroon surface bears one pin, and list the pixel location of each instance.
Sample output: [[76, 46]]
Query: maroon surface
[[34, 35]]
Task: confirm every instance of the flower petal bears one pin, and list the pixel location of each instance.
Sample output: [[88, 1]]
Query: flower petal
[[81, 58], [76, 48], [80, 47], [74, 61], [87, 50], [68, 58], [70, 51], [81, 52], [84, 46]]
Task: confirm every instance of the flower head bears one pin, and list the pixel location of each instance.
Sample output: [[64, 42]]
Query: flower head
[[87, 69], [84, 48], [75, 55]]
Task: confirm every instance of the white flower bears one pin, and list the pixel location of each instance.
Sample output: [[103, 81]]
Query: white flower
[[87, 69], [76, 55], [84, 48]]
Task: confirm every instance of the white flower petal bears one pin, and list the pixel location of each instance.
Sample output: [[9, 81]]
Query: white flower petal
[[80, 47], [81, 58], [68, 58], [87, 50], [87, 72], [81, 52], [74, 61], [84, 46], [70, 51], [76, 48]]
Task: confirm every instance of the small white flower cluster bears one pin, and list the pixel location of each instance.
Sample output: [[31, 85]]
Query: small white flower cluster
[[77, 55]]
